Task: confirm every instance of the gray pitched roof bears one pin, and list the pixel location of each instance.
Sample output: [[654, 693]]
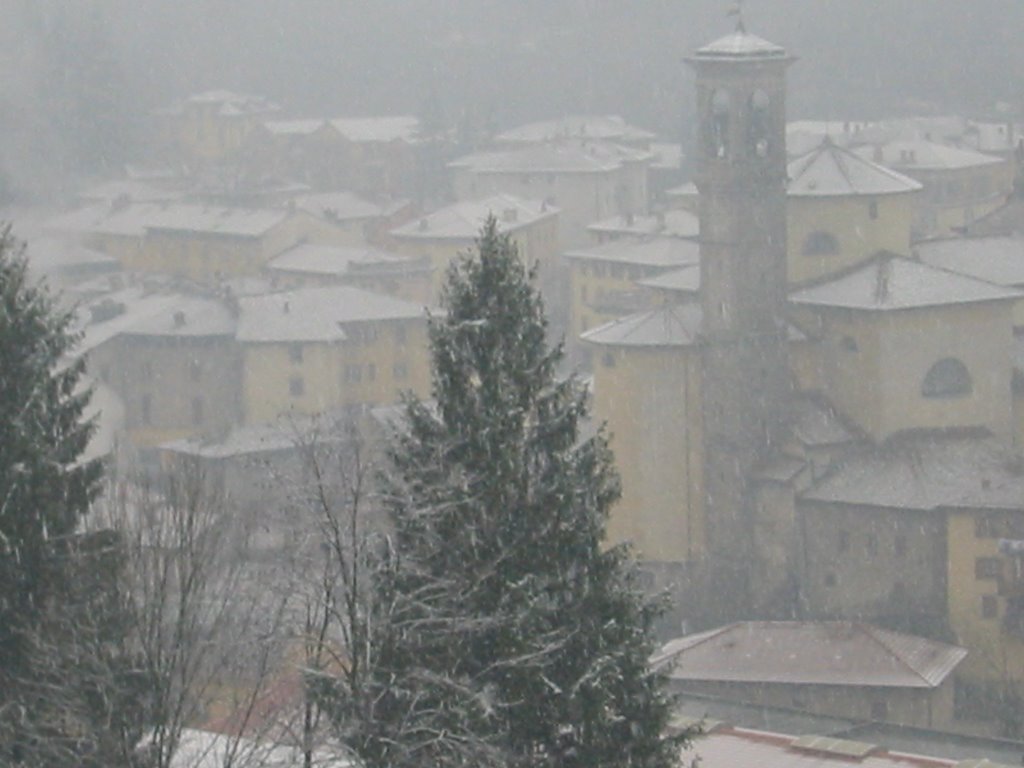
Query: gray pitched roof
[[668, 326], [927, 472], [811, 653], [315, 259], [831, 171], [662, 252], [316, 314], [602, 127], [924, 155], [683, 280], [566, 157], [889, 283], [677, 222], [997, 260], [188, 316], [463, 221]]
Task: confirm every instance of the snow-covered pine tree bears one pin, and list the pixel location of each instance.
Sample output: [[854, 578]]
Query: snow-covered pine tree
[[45, 488], [514, 637]]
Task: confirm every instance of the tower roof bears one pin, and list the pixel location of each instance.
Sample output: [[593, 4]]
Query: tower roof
[[740, 45], [831, 171]]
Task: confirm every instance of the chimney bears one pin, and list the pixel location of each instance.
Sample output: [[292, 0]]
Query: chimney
[[179, 319], [423, 225], [286, 307]]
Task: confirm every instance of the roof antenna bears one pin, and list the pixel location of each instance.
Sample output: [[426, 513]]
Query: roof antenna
[[737, 11]]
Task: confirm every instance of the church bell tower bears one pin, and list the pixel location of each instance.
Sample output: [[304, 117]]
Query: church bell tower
[[741, 180]]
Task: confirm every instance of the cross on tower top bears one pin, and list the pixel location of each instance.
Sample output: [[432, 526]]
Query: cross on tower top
[[737, 11]]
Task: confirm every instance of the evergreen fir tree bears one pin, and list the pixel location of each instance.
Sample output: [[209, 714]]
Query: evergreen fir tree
[[512, 636], [45, 487]]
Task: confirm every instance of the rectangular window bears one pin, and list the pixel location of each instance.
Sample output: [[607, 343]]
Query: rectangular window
[[371, 372], [873, 210], [147, 409], [400, 334], [989, 607], [296, 386], [195, 370], [295, 353], [400, 370], [197, 410], [988, 568], [988, 527], [353, 373], [844, 541], [872, 544], [900, 545]]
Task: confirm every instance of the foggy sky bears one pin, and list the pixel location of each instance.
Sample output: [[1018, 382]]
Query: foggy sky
[[74, 72]]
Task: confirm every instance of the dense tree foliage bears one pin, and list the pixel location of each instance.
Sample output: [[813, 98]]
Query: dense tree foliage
[[57, 619], [506, 633]]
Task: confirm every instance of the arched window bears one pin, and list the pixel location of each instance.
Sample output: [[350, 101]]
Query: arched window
[[717, 129], [947, 378], [757, 126], [820, 243]]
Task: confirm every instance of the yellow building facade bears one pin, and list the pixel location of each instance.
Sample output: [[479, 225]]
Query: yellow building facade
[[322, 349], [442, 236], [647, 390]]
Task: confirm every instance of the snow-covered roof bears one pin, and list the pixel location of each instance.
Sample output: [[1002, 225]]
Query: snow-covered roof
[[924, 155], [281, 435], [315, 259], [603, 127], [316, 314], [839, 653], [997, 260], [189, 316], [927, 472], [893, 283], [831, 171], [740, 45], [220, 220], [344, 205], [662, 252], [377, 129], [677, 222], [463, 221], [50, 254], [567, 157], [684, 280], [293, 127], [727, 747], [127, 189], [205, 749], [229, 103], [138, 219], [116, 313], [668, 326]]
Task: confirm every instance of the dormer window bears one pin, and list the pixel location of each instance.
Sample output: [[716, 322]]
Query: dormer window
[[948, 378]]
